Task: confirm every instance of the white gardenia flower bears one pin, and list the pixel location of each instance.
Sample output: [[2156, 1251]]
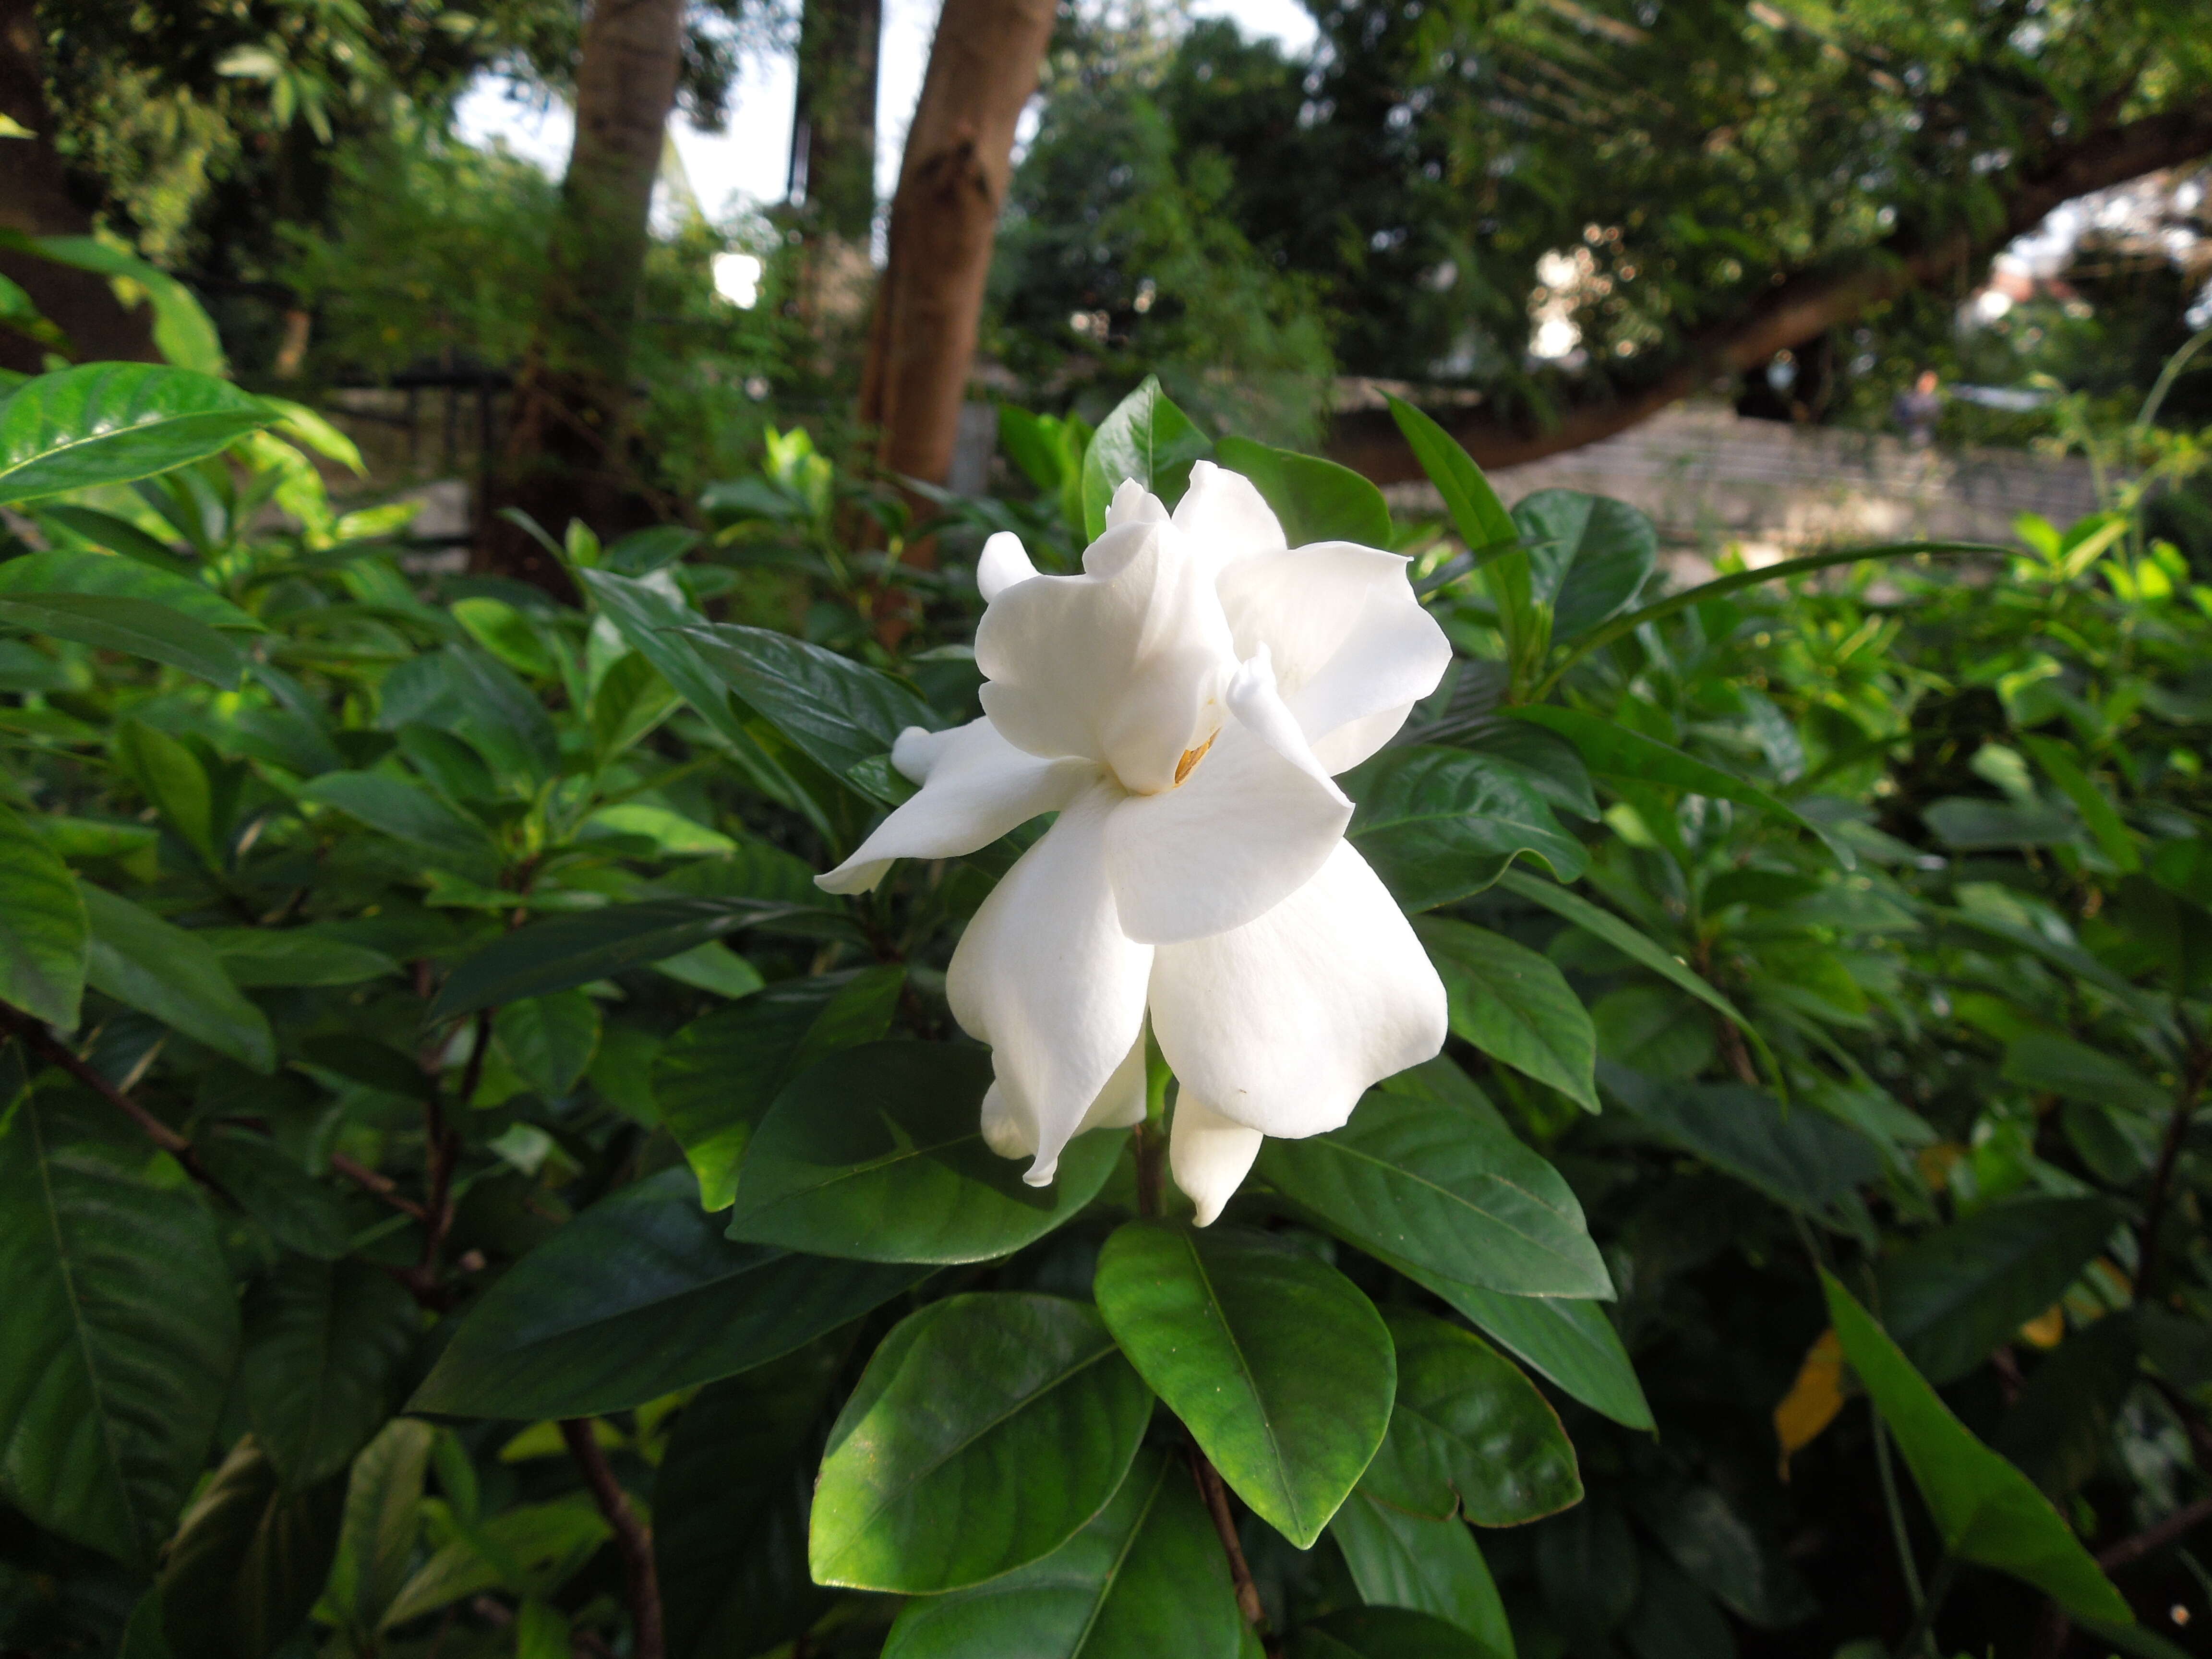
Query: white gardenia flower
[[1184, 705]]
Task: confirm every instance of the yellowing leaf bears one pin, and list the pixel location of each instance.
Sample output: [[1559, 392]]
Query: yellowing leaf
[[1814, 1399], [2048, 1328]]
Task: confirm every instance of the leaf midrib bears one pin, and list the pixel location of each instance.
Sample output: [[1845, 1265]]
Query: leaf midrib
[[1244, 1367], [1349, 1151], [80, 1325], [860, 1528]]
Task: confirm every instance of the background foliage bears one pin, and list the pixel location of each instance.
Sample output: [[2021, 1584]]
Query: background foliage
[[459, 1170]]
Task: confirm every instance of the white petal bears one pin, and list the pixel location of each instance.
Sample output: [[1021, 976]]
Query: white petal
[[1045, 975], [1349, 640], [1256, 700], [1005, 1131], [1283, 1024], [1003, 562], [1121, 1104], [1245, 830], [1209, 1154], [1118, 664], [1134, 504], [975, 787], [1226, 516]]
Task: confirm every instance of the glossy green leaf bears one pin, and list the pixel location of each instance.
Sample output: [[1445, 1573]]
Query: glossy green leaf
[[502, 719], [324, 1341], [1615, 751], [300, 1213], [1588, 555], [171, 776], [184, 333], [117, 1333], [1951, 1296], [561, 952], [1470, 1435], [712, 967], [1799, 1157], [44, 932], [1314, 500], [248, 1561], [163, 970], [1389, 1633], [1516, 1007], [1571, 1343], [878, 1153], [717, 1077], [108, 530], [444, 838], [294, 956], [730, 1505], [637, 1296], [2090, 800], [651, 615], [83, 573], [1689, 599], [986, 1432], [1969, 823], [1439, 824], [138, 627], [1447, 1188], [2042, 1059], [1476, 512], [549, 1040], [1146, 438], [1986, 1510], [532, 1548], [382, 1521], [1431, 1566], [1604, 925], [103, 424], [1280, 1366], [1145, 1579], [631, 699], [835, 711]]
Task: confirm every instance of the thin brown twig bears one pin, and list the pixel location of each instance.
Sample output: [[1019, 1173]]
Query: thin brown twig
[[632, 1540], [2054, 1627], [2156, 1536], [377, 1182], [1215, 1496], [35, 1037]]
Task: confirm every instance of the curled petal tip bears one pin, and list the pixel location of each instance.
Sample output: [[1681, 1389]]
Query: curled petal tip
[[1209, 1154], [1040, 1174], [1003, 562]]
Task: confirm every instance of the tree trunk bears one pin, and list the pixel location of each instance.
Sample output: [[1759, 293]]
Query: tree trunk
[[982, 68], [833, 162], [36, 199], [567, 453], [1802, 304]]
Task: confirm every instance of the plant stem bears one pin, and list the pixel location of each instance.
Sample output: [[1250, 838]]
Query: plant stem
[[38, 1040], [1922, 1633], [1896, 1508], [632, 1541], [2199, 1067], [1151, 1167], [377, 1182], [1224, 1527]]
